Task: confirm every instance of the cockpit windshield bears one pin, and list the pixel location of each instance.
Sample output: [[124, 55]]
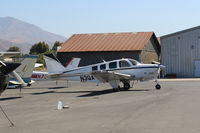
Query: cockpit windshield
[[133, 62]]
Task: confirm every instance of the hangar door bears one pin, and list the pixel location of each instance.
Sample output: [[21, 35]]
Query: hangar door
[[197, 68]]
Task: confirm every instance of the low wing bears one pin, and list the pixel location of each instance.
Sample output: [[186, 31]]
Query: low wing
[[60, 75], [55, 75], [106, 76]]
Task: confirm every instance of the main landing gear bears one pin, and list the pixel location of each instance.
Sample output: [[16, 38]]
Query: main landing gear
[[124, 88]]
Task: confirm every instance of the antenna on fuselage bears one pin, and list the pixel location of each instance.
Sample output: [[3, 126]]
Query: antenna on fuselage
[[102, 59]]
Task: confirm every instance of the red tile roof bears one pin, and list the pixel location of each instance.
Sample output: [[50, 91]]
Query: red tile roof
[[129, 41]]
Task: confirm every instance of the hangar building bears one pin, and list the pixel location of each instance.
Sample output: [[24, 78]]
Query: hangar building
[[180, 53], [94, 48]]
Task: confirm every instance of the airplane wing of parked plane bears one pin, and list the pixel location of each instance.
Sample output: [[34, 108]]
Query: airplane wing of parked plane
[[4, 55], [106, 76]]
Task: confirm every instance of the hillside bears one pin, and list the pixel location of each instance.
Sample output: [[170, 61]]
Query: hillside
[[4, 45], [14, 32]]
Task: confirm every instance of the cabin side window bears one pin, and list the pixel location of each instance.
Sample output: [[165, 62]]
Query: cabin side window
[[113, 65], [103, 67], [124, 64], [94, 68]]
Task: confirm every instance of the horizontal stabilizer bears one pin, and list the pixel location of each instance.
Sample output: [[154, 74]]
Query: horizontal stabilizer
[[15, 82]]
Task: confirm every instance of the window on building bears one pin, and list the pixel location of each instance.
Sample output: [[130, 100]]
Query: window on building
[[113, 65], [124, 64], [94, 68], [103, 67]]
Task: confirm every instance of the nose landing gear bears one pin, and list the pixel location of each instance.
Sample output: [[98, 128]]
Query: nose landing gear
[[158, 86]]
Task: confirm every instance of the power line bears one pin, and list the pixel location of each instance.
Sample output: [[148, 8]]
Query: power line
[[12, 124]]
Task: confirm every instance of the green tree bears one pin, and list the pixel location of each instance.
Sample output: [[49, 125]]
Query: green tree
[[39, 48], [56, 45], [13, 49], [40, 58]]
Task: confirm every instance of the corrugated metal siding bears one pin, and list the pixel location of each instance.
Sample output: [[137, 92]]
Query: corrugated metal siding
[[106, 42], [179, 51]]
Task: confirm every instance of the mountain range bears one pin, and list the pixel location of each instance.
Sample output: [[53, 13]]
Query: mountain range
[[14, 32]]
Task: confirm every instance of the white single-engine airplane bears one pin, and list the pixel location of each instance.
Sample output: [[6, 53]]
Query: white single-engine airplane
[[113, 72]]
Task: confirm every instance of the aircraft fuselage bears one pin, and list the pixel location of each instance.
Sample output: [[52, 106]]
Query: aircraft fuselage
[[137, 70]]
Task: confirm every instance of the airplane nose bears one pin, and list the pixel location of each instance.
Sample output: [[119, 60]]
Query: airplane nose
[[7, 67], [162, 67]]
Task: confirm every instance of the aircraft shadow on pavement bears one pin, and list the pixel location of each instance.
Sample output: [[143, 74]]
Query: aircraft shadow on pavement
[[107, 91], [9, 98], [56, 87], [97, 93], [89, 93], [48, 92], [44, 92]]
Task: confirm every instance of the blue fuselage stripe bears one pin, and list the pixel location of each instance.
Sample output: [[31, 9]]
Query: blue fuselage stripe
[[117, 68]]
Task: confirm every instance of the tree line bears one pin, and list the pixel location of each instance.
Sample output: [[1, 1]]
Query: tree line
[[38, 49]]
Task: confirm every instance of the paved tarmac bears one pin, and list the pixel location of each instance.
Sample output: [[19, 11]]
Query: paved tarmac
[[96, 109]]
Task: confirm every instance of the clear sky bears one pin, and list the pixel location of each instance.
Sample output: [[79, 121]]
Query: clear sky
[[67, 17]]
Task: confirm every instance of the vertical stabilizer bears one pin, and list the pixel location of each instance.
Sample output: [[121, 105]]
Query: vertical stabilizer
[[54, 66], [73, 63], [24, 72]]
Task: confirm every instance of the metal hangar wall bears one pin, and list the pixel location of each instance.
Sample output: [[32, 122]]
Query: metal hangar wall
[[180, 53]]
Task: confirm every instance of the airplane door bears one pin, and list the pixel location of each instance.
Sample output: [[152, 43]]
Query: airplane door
[[197, 68]]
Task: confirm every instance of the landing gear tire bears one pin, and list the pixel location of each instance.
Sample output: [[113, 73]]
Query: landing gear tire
[[157, 87], [126, 86]]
